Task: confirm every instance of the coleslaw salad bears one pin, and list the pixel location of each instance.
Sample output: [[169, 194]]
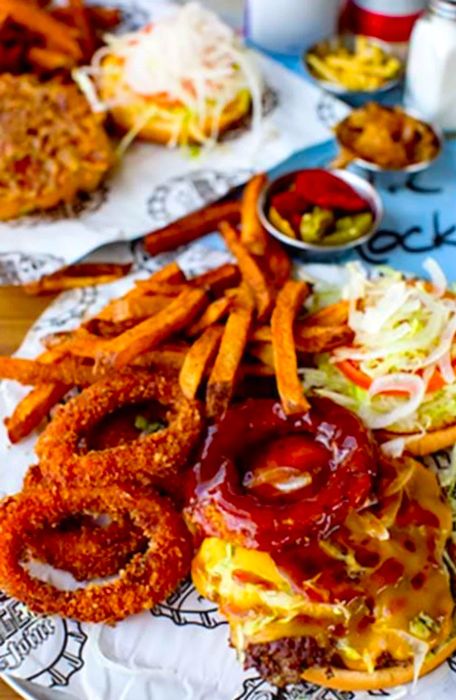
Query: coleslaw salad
[[398, 372], [187, 67]]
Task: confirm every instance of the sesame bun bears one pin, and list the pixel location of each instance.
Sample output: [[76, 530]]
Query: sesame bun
[[341, 679], [171, 123], [424, 443]]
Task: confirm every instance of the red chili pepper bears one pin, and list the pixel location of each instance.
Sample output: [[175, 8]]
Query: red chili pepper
[[323, 189], [289, 204]]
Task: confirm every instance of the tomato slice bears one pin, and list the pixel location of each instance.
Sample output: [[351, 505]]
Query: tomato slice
[[354, 374], [361, 379]]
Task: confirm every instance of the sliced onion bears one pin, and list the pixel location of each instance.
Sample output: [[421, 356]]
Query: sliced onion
[[282, 478], [190, 56], [411, 384], [393, 448], [420, 650], [355, 287], [376, 316], [445, 344], [438, 278], [446, 368]]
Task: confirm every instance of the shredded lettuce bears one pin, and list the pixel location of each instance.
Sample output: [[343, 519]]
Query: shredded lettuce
[[190, 56], [401, 328], [423, 626], [436, 410]]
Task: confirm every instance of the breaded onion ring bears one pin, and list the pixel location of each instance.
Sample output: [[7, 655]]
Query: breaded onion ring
[[33, 477], [151, 459], [86, 549], [145, 581], [231, 492]]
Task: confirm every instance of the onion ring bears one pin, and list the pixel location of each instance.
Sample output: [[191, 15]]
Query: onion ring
[[329, 472], [86, 549], [33, 477], [150, 460], [145, 581]]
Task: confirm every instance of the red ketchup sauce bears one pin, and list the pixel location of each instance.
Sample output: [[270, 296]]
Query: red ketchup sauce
[[270, 481]]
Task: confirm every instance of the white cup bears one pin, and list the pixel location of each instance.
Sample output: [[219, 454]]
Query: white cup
[[289, 26]]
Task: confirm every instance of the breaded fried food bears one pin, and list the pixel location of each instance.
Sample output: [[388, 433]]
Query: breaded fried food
[[51, 147]]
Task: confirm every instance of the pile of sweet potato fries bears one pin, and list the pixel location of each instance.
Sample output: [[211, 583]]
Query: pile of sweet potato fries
[[46, 37], [241, 319]]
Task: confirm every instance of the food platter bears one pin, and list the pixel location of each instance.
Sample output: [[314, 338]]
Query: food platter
[[185, 617], [154, 185], [234, 477]]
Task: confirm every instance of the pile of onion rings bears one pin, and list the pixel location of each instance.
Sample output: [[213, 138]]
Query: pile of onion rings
[[58, 516], [146, 579], [151, 459], [88, 549]]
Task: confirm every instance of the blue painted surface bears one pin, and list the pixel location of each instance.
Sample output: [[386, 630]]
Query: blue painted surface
[[420, 213], [420, 210]]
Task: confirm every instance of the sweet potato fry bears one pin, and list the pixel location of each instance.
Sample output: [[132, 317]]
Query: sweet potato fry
[[120, 351], [212, 314], [104, 17], [69, 371], [137, 308], [250, 369], [311, 339], [225, 372], [126, 313], [250, 270], [82, 22], [73, 276], [218, 280], [170, 274], [74, 371], [167, 358], [34, 407], [198, 359], [333, 315], [49, 60], [289, 302], [164, 288], [56, 34], [277, 263], [53, 340], [253, 235], [262, 352], [81, 343], [191, 227]]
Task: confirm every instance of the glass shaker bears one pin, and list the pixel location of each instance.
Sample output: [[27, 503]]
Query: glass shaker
[[431, 70]]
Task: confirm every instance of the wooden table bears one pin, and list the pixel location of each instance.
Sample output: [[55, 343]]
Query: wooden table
[[6, 693], [17, 313]]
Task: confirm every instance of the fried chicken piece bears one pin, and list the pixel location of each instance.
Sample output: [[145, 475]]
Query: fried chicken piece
[[52, 146]]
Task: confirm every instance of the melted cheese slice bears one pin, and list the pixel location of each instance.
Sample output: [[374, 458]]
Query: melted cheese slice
[[402, 596]]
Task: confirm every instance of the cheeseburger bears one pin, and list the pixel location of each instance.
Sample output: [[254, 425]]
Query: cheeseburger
[[184, 79], [330, 561], [398, 371]]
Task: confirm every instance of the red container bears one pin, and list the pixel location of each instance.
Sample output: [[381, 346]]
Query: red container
[[390, 20]]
